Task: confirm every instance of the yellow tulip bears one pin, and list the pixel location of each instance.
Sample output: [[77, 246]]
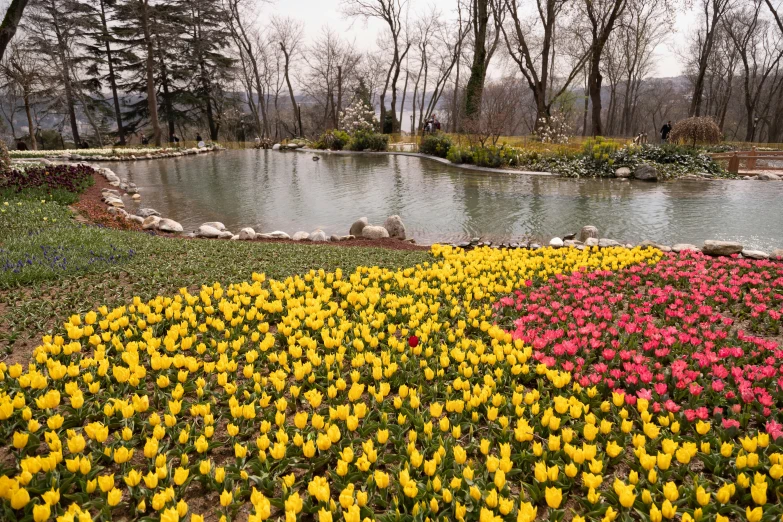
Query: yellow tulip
[[226, 497], [553, 496], [19, 498], [42, 512]]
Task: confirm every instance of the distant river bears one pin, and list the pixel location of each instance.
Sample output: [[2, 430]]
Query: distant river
[[270, 190]]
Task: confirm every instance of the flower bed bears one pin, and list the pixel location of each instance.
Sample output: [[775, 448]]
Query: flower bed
[[377, 394], [60, 182], [125, 151]]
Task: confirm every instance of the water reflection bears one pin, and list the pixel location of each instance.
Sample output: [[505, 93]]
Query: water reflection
[[269, 190]]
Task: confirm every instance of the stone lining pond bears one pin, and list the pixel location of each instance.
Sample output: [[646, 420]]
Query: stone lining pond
[[270, 190]]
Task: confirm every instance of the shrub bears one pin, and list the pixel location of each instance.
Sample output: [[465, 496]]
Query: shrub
[[332, 140], [5, 158], [358, 117], [555, 130], [437, 144], [364, 140], [695, 130], [458, 154]]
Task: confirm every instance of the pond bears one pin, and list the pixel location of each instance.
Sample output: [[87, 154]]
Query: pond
[[269, 190]]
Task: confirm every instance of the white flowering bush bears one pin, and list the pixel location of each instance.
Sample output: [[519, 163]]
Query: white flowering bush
[[555, 130], [358, 117], [107, 152]]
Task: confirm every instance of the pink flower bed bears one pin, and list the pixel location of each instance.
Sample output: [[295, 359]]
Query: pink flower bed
[[694, 335]]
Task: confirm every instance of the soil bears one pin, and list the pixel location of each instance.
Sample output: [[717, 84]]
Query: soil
[[93, 196]]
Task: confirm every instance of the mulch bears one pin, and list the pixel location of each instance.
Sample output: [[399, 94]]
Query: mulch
[[91, 198]]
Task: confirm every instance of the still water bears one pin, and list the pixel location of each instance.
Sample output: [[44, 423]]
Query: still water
[[270, 190]]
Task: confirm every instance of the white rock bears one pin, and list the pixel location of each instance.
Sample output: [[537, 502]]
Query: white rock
[[150, 223], [556, 242], [755, 254], [147, 212], [247, 234], [395, 227], [605, 243], [276, 146], [207, 231], [136, 196], [226, 235], [318, 235], [277, 234], [591, 242], [115, 202], [214, 224], [588, 231], [679, 247], [358, 226], [136, 219], [374, 232], [169, 225], [301, 235], [721, 248]]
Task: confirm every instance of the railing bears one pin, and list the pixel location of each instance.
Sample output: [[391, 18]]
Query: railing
[[750, 160]]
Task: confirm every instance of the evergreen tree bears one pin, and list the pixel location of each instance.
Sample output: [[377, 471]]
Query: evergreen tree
[[53, 27], [101, 46], [206, 42]]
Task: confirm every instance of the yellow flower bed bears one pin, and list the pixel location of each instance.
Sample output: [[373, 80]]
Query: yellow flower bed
[[350, 396]]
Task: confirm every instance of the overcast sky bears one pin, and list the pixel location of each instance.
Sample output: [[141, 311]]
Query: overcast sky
[[315, 14]]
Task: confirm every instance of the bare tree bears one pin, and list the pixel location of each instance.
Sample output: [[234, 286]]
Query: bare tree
[[602, 16], [713, 12], [498, 114], [485, 42], [534, 54], [642, 28], [760, 56], [775, 15], [237, 22], [439, 45], [53, 31], [21, 68], [288, 33], [390, 13], [332, 64]]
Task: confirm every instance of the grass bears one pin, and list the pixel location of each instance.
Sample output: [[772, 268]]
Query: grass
[[51, 267]]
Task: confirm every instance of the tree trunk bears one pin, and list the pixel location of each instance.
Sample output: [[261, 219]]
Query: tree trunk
[[290, 89], [168, 106], [404, 93], [30, 125], [397, 67], [595, 81], [587, 104], [10, 22], [478, 71], [213, 128], [66, 74], [112, 78], [455, 102], [152, 101], [339, 107]]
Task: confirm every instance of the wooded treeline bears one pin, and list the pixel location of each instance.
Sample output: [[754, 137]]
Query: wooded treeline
[[106, 71]]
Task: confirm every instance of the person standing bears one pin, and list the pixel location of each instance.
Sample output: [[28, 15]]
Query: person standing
[[665, 130]]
